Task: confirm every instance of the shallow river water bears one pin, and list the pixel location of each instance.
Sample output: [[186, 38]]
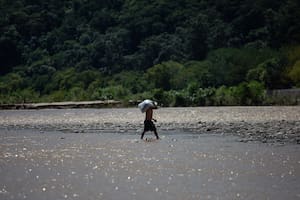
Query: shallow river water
[[64, 160]]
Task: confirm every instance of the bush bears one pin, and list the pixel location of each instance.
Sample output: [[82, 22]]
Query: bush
[[273, 77], [220, 95], [202, 97], [294, 73], [114, 92], [20, 96], [133, 81], [11, 82], [56, 96], [230, 65], [77, 94], [252, 93], [257, 93], [164, 98], [198, 72], [180, 99], [163, 75], [257, 74], [292, 53]]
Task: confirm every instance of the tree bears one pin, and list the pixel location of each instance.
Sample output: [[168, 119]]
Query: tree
[[294, 73], [58, 48], [157, 49], [10, 54], [162, 75], [274, 77]]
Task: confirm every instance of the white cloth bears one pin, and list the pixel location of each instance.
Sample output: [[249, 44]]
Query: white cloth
[[146, 104]]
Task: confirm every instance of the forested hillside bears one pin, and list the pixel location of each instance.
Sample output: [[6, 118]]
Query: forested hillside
[[183, 52]]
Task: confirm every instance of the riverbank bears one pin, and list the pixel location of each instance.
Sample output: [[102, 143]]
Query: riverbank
[[282, 97], [62, 105], [265, 124]]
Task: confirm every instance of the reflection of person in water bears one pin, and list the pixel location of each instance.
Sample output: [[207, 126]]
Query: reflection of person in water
[[148, 123]]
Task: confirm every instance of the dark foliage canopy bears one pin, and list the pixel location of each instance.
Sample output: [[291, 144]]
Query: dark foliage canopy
[[225, 40]]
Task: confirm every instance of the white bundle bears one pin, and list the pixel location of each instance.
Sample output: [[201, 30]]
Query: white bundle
[[146, 104]]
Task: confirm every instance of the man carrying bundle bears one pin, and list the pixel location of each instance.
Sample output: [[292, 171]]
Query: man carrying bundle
[[148, 106]]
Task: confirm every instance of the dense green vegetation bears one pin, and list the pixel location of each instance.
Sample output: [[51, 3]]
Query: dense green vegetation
[[181, 53]]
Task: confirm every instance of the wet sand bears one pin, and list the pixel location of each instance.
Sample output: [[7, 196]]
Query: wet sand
[[265, 124], [96, 154]]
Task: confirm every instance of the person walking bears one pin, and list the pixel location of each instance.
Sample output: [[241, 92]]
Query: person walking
[[148, 123]]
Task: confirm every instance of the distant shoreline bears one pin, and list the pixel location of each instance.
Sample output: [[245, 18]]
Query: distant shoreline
[[62, 105], [97, 104]]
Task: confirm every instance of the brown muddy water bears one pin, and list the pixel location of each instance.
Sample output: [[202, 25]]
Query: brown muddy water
[[97, 154]]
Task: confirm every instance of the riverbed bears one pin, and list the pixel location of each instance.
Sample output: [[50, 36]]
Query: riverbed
[[203, 153]]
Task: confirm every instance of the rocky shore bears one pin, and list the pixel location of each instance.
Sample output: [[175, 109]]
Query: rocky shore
[[264, 124]]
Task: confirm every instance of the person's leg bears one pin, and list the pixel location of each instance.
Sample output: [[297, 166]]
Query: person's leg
[[153, 128], [142, 136], [156, 134], [145, 129]]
